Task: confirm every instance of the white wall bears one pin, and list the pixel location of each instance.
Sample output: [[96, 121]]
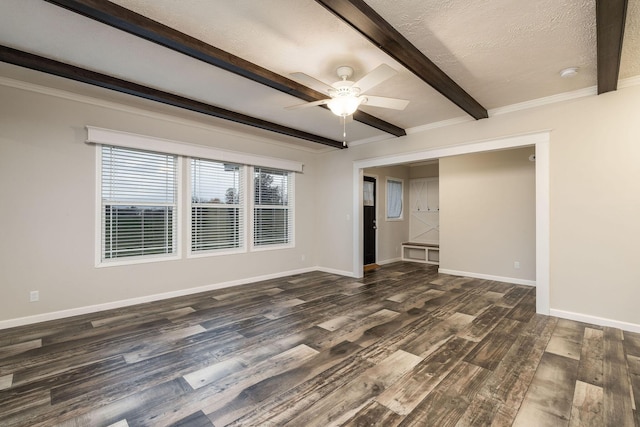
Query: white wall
[[391, 233], [487, 214], [594, 196], [47, 209]]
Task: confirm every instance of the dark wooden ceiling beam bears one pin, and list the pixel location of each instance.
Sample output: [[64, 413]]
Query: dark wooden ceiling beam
[[46, 65], [141, 26], [364, 19], [610, 21]]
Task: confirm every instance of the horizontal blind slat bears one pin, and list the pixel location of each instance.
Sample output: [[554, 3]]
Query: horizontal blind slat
[[217, 206], [272, 213], [139, 202]]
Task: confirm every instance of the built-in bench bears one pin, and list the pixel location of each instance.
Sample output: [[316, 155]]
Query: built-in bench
[[421, 252]]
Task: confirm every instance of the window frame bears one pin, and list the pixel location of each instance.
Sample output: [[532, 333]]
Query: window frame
[[243, 205], [290, 212], [400, 181], [100, 224], [183, 152]]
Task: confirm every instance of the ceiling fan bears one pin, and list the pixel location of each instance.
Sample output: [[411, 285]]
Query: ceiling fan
[[345, 96]]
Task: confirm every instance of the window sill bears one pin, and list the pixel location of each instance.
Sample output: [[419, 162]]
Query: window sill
[[136, 260]]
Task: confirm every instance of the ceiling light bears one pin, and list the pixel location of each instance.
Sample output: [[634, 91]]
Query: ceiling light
[[569, 72], [344, 106]]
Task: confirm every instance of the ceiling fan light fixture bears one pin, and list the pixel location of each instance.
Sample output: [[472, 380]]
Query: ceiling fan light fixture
[[344, 106]]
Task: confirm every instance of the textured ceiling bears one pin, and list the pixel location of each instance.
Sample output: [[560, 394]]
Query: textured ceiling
[[501, 52]]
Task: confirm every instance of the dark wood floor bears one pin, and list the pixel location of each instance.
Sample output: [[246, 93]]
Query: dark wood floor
[[403, 346]]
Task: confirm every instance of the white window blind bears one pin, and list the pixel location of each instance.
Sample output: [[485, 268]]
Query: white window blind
[[273, 207], [217, 206], [394, 199], [139, 203]]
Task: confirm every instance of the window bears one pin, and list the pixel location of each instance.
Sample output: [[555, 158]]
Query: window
[[368, 196], [138, 204], [273, 207], [217, 206], [236, 201], [394, 199]]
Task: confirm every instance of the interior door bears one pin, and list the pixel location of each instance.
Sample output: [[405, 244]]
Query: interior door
[[369, 220]]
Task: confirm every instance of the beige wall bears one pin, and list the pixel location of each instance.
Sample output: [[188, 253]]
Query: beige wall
[[487, 213], [391, 234], [594, 195], [47, 210], [424, 171], [44, 163]]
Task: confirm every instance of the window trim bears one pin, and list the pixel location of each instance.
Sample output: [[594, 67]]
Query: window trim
[[386, 199], [141, 259], [101, 136]]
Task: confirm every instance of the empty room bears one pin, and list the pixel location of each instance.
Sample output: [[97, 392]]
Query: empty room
[[319, 213]]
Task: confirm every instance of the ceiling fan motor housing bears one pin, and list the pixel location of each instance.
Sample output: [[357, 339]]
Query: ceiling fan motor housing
[[344, 88], [344, 72]]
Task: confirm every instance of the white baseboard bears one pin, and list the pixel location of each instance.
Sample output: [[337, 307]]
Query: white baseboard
[[595, 320], [54, 315], [389, 261], [27, 320], [334, 271], [488, 277]]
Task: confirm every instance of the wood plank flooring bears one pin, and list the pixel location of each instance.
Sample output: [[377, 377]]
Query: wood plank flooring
[[404, 346]]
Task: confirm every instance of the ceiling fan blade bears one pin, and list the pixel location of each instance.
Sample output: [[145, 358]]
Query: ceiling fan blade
[[375, 77], [308, 104], [381, 101], [311, 82]]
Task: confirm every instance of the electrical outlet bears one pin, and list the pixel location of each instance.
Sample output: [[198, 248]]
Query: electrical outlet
[[302, 257], [516, 264], [34, 296]]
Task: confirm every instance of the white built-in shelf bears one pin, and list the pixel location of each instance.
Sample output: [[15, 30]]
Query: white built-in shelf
[[421, 252]]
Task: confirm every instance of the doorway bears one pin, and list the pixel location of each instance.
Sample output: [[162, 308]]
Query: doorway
[[541, 142], [369, 220]]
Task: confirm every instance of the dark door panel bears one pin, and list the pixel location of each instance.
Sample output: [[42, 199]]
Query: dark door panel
[[369, 221]]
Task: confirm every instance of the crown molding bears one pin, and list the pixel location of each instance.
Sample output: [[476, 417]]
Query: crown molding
[[417, 129], [561, 97], [547, 100], [368, 140], [535, 103], [440, 124]]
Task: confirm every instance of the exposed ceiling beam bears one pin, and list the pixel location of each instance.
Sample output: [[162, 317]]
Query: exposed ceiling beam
[[46, 65], [141, 26], [610, 20], [364, 19]]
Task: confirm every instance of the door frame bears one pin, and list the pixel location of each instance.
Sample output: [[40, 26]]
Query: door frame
[[377, 210], [540, 140]]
